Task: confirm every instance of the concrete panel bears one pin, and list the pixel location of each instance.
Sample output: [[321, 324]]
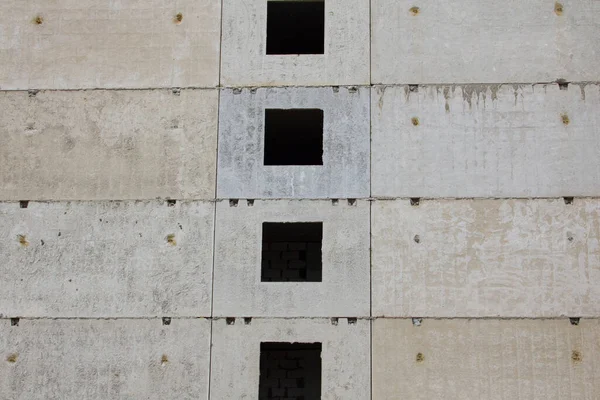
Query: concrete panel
[[486, 359], [346, 147], [245, 61], [486, 258], [106, 259], [484, 41], [66, 44], [104, 359], [486, 141], [97, 145], [345, 355], [344, 290]]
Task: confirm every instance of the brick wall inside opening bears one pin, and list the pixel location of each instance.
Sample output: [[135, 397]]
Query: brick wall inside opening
[[290, 371]]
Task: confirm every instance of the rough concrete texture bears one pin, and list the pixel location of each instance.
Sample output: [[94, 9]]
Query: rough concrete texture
[[345, 355], [346, 147], [477, 41], [344, 291], [486, 141], [486, 258], [486, 359], [104, 359], [94, 145], [106, 259], [244, 61], [66, 44]]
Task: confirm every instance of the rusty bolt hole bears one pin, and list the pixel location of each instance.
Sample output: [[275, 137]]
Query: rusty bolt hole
[[38, 20], [12, 358], [558, 8], [164, 360], [415, 121], [178, 18], [420, 357], [415, 10], [565, 119], [576, 356]]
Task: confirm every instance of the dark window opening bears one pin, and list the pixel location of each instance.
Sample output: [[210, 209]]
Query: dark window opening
[[292, 252], [295, 27], [290, 371], [293, 137]]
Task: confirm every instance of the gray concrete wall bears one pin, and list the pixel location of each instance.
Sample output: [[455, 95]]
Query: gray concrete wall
[[104, 359], [344, 291], [486, 141], [486, 258], [345, 169], [106, 259], [244, 61], [484, 41], [99, 145], [486, 359], [344, 357], [124, 44]]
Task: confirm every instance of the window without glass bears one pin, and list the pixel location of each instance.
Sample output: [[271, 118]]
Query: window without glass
[[293, 137], [292, 252], [295, 27], [290, 371]]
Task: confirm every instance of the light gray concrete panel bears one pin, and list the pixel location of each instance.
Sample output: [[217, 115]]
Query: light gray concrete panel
[[97, 145], [344, 290], [106, 259], [83, 44], [486, 359], [484, 41], [486, 258], [345, 355], [346, 147], [486, 141], [104, 359], [244, 59]]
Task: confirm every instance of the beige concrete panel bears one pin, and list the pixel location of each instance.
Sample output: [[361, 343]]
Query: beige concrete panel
[[486, 258], [104, 359], [344, 290], [486, 359], [244, 60], [486, 141], [345, 355], [97, 145], [82, 44], [484, 41], [106, 259]]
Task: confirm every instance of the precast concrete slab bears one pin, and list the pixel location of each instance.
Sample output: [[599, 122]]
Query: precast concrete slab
[[86, 44], [344, 59], [486, 141], [240, 287], [77, 359], [486, 258], [345, 355], [486, 359], [106, 144], [484, 41], [106, 259], [344, 173]]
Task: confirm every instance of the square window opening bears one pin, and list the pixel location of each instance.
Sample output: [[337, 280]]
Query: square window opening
[[295, 27], [293, 137], [292, 252], [290, 371]]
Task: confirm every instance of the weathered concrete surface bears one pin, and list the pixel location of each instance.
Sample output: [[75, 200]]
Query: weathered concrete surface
[[104, 359], [345, 355], [486, 258], [484, 41], [94, 145], [346, 147], [486, 141], [344, 291], [119, 44], [106, 259], [486, 359], [244, 60]]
